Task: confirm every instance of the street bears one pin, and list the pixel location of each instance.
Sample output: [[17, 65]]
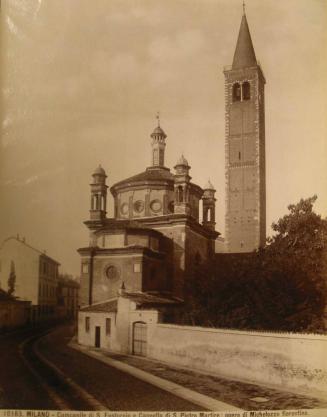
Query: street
[[39, 388]]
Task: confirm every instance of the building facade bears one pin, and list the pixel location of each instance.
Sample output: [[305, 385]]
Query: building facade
[[141, 257], [67, 297], [35, 276], [245, 220], [155, 234]]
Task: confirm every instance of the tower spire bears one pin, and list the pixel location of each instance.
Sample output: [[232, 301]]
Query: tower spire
[[244, 55]]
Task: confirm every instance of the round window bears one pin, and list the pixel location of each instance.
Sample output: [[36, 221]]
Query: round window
[[124, 208], [156, 205], [138, 206], [112, 272]]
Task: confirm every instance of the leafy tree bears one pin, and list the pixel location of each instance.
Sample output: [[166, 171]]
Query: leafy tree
[[12, 279], [279, 287]]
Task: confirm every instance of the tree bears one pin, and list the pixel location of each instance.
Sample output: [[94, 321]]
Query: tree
[[12, 279], [279, 287]]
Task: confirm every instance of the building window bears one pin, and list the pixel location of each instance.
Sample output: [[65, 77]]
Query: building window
[[139, 206], [236, 92], [156, 205], [179, 196], [108, 326], [239, 156], [85, 268], [155, 157], [87, 324], [112, 272], [137, 267], [246, 90]]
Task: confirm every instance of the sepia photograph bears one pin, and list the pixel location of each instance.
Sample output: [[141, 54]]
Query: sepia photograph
[[163, 208]]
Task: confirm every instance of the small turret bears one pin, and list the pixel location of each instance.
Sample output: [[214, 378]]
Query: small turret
[[98, 194], [209, 206], [182, 186], [158, 146]]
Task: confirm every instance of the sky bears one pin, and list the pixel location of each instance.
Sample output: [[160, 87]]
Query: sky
[[82, 82]]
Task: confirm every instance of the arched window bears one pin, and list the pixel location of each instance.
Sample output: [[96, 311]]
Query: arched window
[[210, 214], [156, 157], [246, 90], [205, 214], [236, 92], [179, 194]]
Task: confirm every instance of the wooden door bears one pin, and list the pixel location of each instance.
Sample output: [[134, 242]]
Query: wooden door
[[97, 336]]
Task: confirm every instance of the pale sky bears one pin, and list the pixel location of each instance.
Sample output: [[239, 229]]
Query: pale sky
[[82, 82]]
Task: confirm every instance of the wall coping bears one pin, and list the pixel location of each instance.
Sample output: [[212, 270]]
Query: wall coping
[[263, 333]]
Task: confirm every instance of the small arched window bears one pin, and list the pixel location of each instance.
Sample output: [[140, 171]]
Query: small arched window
[[246, 90], [180, 194], [236, 92]]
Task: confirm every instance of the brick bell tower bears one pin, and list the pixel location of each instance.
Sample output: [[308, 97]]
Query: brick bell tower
[[245, 148]]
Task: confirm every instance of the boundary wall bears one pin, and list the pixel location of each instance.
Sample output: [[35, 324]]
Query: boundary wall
[[290, 361]]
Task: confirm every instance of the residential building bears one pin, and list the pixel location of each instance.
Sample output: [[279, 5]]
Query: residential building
[[35, 276]]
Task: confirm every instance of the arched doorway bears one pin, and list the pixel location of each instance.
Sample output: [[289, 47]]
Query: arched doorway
[[139, 338]]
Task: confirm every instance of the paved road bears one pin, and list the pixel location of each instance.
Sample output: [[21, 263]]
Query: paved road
[[19, 388], [115, 389]]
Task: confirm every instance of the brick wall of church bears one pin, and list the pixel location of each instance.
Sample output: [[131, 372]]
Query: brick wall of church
[[245, 163]]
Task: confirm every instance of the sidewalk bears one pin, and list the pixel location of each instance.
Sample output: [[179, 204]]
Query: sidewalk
[[211, 392]]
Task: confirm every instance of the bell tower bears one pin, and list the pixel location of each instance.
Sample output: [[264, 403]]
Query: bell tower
[[245, 148]]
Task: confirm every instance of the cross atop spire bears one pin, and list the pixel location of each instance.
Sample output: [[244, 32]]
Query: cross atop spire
[[158, 118], [243, 7]]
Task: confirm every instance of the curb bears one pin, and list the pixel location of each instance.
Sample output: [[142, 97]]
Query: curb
[[97, 405], [61, 404], [194, 397]]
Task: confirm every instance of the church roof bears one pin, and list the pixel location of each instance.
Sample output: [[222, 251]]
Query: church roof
[[150, 174], [244, 55], [158, 131], [108, 306], [99, 171], [143, 298], [182, 161]]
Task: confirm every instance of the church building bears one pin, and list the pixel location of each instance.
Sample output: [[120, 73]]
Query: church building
[[139, 258], [154, 235]]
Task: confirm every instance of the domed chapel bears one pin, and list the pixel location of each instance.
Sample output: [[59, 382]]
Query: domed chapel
[[140, 257], [153, 237]]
